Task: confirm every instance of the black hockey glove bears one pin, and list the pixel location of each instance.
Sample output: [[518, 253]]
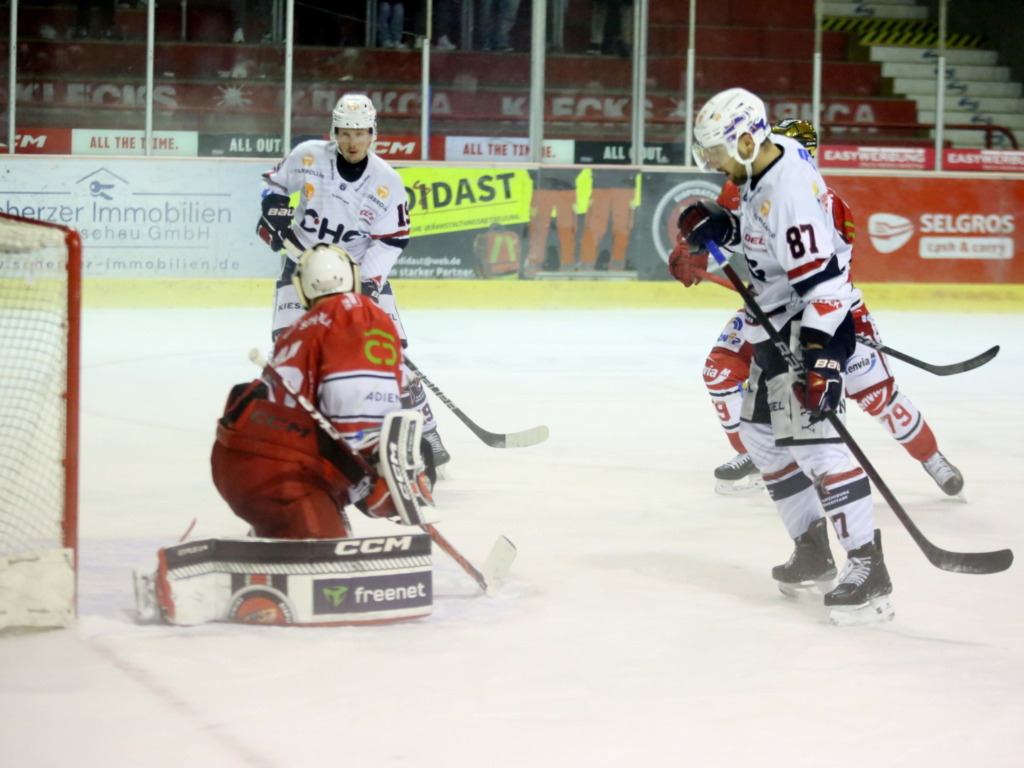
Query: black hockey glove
[[705, 221], [276, 221], [370, 288], [820, 389]]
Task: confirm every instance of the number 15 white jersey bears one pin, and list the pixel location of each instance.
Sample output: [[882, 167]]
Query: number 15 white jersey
[[368, 217]]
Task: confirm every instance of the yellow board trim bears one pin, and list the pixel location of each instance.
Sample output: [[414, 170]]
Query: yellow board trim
[[538, 294]]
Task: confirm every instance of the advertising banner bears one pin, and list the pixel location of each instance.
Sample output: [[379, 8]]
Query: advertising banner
[[191, 218], [246, 144], [621, 153], [466, 221], [40, 141], [100, 141], [895, 158], [922, 159], [505, 149], [935, 230], [998, 160], [148, 217]]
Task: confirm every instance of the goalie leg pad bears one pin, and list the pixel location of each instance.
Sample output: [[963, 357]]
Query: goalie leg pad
[[326, 582], [403, 468], [37, 589]]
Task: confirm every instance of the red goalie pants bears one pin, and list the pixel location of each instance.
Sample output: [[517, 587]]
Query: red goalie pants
[[279, 499]]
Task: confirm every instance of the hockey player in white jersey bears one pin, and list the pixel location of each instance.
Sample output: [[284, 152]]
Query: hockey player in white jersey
[[869, 379], [348, 196], [799, 273]]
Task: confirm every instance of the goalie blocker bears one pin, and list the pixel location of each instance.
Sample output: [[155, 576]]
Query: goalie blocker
[[331, 582]]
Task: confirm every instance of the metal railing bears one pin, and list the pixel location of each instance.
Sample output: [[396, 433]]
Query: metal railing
[[859, 129]]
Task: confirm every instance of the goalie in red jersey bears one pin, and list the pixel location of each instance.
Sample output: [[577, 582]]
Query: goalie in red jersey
[[277, 469], [869, 379]]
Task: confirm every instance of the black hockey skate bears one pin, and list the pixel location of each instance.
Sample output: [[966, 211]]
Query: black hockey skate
[[440, 453], [863, 593], [945, 475], [738, 475], [810, 565]]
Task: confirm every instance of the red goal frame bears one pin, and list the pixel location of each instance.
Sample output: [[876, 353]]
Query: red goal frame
[[73, 243]]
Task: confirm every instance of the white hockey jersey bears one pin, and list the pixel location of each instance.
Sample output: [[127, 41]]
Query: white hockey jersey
[[368, 217], [799, 263]]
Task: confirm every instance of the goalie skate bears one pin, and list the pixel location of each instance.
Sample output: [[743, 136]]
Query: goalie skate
[[738, 476]]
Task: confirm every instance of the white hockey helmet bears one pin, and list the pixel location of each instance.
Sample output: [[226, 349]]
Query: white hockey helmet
[[354, 110], [723, 120], [324, 270]]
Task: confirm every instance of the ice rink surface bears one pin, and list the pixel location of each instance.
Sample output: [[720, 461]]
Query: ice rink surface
[[639, 625]]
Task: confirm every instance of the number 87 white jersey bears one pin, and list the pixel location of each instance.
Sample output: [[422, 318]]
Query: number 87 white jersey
[[799, 263], [368, 217]]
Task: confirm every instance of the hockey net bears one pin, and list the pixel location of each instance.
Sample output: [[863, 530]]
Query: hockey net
[[40, 299]]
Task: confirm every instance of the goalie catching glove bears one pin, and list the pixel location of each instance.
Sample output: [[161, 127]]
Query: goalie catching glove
[[820, 389], [275, 223]]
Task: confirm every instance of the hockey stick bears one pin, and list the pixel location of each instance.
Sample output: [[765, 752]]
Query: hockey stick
[[522, 439], [502, 553], [939, 370], [958, 562]]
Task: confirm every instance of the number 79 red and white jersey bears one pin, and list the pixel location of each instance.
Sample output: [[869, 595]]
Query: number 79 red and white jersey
[[799, 263], [368, 217]]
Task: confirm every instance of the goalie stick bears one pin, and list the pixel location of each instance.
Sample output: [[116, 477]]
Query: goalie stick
[[958, 562], [502, 553], [523, 439], [939, 370]]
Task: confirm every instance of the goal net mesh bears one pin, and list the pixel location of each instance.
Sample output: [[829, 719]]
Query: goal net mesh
[[38, 381]]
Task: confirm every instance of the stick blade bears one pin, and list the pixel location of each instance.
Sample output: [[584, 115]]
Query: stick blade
[[970, 562], [980, 360], [498, 563], [523, 439], [952, 369], [527, 437]]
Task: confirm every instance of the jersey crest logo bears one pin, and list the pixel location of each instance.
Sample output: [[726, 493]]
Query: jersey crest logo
[[766, 208], [380, 347], [308, 190], [383, 192], [307, 160]]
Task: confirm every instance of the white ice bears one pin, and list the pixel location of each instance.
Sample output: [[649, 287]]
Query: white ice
[[639, 625]]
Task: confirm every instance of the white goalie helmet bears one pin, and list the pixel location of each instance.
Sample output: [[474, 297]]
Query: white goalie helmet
[[723, 120], [354, 111], [324, 270]]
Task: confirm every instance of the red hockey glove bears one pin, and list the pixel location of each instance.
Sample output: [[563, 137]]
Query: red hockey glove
[[276, 221], [684, 266], [705, 221], [820, 390]]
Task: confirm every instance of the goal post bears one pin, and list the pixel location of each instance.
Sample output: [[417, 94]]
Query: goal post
[[40, 335]]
